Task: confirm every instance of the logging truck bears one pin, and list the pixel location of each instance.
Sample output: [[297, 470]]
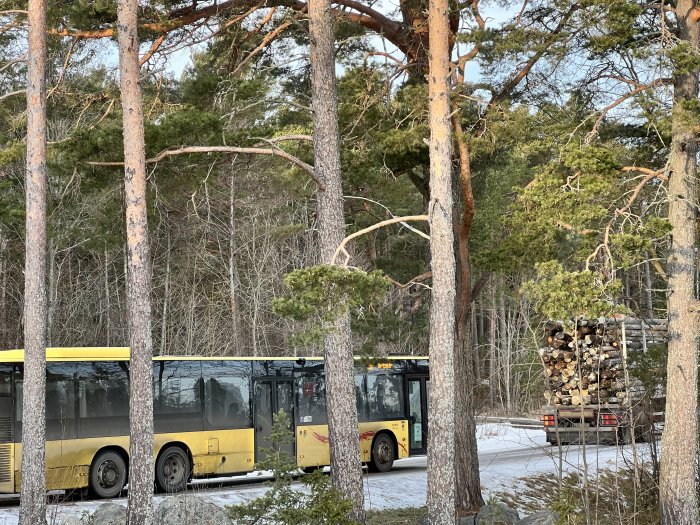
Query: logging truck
[[592, 395]]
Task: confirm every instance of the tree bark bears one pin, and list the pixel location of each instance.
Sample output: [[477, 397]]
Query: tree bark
[[679, 460], [4, 269], [441, 424], [232, 270], [138, 272], [346, 468], [33, 491], [467, 479]]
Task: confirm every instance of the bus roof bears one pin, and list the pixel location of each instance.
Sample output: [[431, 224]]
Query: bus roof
[[123, 354]]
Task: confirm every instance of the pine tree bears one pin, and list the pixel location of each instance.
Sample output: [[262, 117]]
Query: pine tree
[[441, 445], [679, 468], [33, 496], [141, 472], [340, 386]]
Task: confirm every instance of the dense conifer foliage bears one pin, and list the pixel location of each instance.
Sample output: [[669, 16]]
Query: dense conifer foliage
[[573, 186]]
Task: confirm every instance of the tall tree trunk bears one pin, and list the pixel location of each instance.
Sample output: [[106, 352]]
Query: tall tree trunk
[[108, 308], [467, 479], [33, 497], [441, 424], [166, 298], [679, 460], [52, 287], [138, 272], [346, 469], [504, 351], [232, 270], [493, 368], [4, 270], [649, 297]]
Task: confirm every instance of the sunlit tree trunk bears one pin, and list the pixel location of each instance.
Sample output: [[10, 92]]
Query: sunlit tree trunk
[[679, 459], [33, 497], [346, 470], [138, 272], [441, 424]]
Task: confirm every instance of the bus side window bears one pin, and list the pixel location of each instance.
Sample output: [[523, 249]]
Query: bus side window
[[5, 380], [311, 396], [177, 396], [19, 390], [103, 399], [60, 401], [361, 397], [385, 396], [226, 394]]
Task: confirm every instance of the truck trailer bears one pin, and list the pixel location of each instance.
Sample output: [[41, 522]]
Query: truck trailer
[[592, 394]]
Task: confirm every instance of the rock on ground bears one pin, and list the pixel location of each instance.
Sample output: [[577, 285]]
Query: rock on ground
[[74, 520], [190, 509], [108, 514], [497, 514], [543, 517]]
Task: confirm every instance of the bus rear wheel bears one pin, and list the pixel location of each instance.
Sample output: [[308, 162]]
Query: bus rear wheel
[[107, 474], [382, 454], [173, 470]]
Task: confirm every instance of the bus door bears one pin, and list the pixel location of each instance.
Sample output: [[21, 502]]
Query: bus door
[[6, 447], [270, 397], [418, 390]]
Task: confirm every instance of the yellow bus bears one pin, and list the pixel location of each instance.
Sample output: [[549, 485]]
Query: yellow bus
[[212, 416]]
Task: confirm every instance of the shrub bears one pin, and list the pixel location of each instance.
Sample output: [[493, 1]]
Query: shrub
[[316, 502]]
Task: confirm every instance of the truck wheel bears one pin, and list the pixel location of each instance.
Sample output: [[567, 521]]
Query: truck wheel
[[624, 436], [173, 470], [107, 474], [382, 454]]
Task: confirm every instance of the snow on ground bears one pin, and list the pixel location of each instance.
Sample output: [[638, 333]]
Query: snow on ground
[[505, 454]]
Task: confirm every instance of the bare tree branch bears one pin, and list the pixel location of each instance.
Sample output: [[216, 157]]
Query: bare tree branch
[[395, 220], [603, 113], [13, 93], [154, 47], [224, 149], [417, 279]]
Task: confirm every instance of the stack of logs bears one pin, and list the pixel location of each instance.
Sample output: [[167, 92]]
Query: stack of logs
[[588, 369]]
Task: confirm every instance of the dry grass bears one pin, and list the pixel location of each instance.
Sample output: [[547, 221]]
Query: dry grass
[[613, 498], [409, 516]]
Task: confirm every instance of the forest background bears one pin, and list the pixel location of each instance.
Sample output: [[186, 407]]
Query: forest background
[[562, 145], [552, 158]]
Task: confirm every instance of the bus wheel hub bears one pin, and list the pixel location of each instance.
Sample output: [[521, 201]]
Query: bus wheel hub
[[108, 474]]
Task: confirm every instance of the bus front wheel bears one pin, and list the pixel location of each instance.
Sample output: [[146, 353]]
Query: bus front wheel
[[382, 454], [173, 470], [108, 474]]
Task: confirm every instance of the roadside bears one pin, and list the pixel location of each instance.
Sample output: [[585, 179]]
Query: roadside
[[507, 453]]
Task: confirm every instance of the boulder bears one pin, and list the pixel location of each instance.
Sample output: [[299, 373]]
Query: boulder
[[464, 520], [186, 508], [109, 514], [75, 520], [543, 517], [496, 514]]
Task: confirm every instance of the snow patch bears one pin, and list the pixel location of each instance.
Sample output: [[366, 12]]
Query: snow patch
[[505, 454]]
